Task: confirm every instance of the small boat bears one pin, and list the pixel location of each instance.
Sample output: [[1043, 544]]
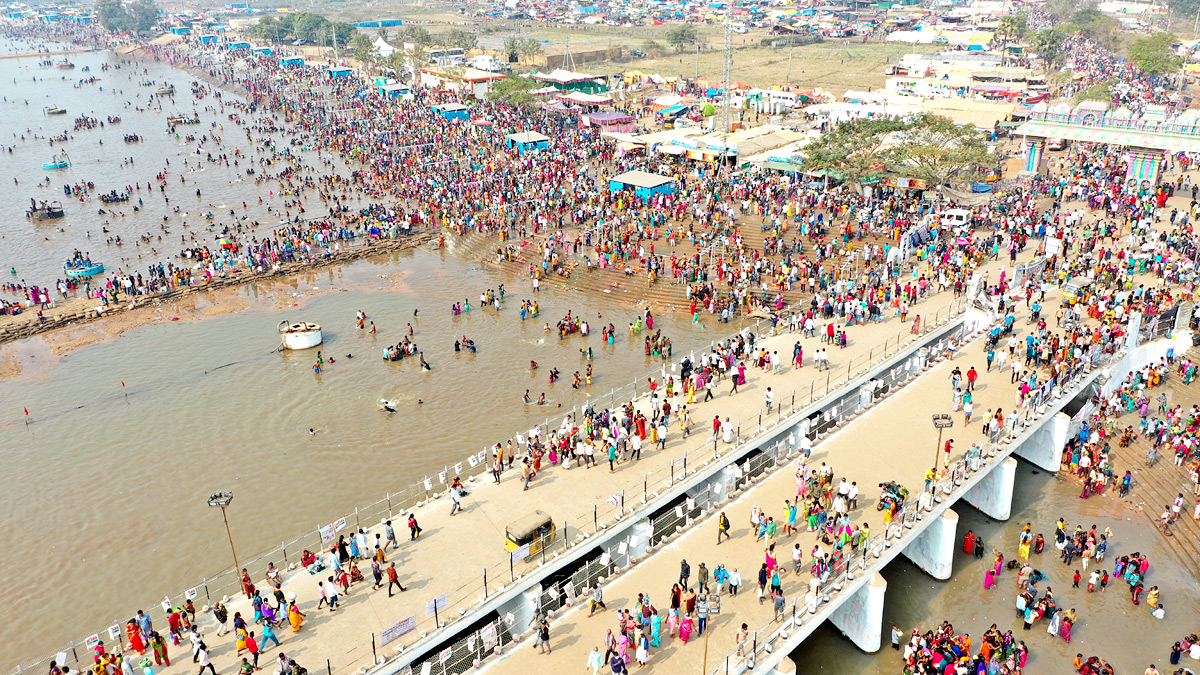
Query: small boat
[[183, 119], [45, 210], [65, 65], [60, 161], [82, 269], [303, 335], [54, 110], [168, 90]]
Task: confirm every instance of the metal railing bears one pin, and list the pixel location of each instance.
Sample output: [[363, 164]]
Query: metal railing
[[593, 519], [949, 483]]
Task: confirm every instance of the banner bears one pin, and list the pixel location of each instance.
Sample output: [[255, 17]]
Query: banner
[[488, 635], [397, 630], [328, 531]]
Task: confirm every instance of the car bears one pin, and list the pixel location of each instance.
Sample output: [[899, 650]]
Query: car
[[1056, 144]]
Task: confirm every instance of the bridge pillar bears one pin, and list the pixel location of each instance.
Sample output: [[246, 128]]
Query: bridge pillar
[[786, 667], [993, 493], [860, 617], [933, 549], [1044, 447]]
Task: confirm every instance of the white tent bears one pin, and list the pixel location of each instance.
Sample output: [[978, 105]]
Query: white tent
[[385, 50]]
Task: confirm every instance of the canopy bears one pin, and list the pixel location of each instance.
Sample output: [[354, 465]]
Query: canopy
[[585, 99]]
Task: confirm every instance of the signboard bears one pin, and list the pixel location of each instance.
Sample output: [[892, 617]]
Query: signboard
[[445, 655], [437, 603], [489, 637], [191, 594], [114, 632], [397, 630], [521, 553], [911, 183], [91, 641], [331, 529]]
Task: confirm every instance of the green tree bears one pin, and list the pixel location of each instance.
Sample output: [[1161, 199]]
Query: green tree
[[935, 149], [462, 39], [342, 32], [1096, 92], [512, 48], [112, 16], [1047, 43], [513, 90], [416, 58], [269, 28], [529, 48], [138, 17], [1155, 55], [683, 36], [145, 15], [1013, 26], [363, 48], [383, 33], [855, 151], [1104, 30], [416, 35], [309, 27]]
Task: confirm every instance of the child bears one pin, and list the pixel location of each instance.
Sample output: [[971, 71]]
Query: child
[[1104, 582], [1075, 580]]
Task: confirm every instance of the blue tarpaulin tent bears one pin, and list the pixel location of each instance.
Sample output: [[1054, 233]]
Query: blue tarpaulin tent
[[643, 184]]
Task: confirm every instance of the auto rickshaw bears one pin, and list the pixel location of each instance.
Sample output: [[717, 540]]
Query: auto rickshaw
[[536, 529]]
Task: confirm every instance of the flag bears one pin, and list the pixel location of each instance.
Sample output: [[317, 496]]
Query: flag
[[615, 499], [122, 384], [458, 468], [27, 412]]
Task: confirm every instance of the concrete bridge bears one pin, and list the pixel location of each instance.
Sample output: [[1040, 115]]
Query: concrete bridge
[[629, 553]]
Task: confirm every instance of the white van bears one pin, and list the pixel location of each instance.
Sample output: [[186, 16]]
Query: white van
[[785, 97], [738, 27], [956, 218]]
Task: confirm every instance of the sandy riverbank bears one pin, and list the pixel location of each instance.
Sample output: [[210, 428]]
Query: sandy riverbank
[[79, 322]]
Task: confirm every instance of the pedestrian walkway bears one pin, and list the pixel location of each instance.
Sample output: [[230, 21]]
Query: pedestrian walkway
[[895, 441], [452, 552]]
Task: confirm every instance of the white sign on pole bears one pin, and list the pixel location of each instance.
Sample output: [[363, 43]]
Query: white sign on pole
[[520, 554], [437, 603]]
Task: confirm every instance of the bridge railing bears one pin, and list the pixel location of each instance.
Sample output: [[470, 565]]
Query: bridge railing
[[949, 483]]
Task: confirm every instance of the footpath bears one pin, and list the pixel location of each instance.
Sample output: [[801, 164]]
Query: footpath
[[452, 553], [894, 441]]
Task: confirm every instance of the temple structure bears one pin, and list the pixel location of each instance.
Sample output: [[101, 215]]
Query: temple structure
[[1144, 137]]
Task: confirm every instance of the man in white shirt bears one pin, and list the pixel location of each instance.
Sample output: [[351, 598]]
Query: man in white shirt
[[852, 496]]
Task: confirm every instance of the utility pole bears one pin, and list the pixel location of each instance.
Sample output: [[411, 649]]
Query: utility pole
[[728, 77], [698, 56], [791, 48]]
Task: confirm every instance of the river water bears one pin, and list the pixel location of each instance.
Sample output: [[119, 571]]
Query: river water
[[108, 491], [36, 251], [1109, 625]]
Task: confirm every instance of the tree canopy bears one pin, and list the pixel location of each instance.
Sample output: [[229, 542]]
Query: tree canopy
[[137, 17], [925, 147], [935, 150], [854, 151], [1155, 55], [514, 90], [305, 26], [683, 36]]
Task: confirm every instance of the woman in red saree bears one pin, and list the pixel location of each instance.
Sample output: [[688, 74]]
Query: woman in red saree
[[247, 585], [135, 637]]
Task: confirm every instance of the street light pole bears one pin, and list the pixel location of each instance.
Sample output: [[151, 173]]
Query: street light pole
[[941, 421], [221, 500]]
